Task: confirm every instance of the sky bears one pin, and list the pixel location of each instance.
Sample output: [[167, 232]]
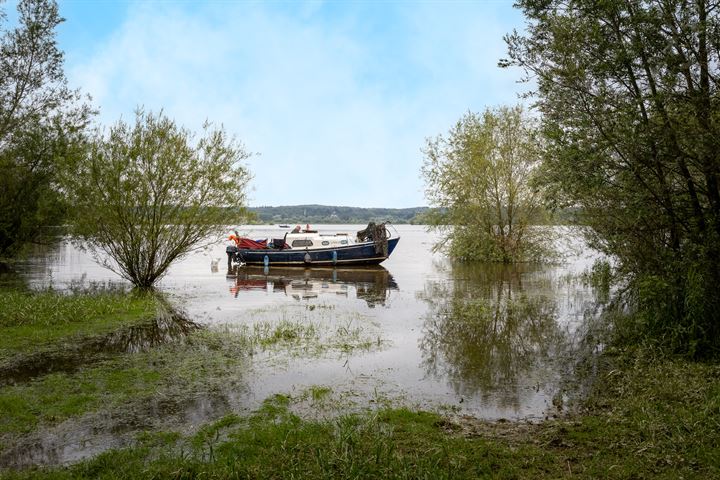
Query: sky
[[333, 99]]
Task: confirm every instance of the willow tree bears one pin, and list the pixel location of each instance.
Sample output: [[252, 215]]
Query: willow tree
[[630, 97], [145, 195], [479, 181]]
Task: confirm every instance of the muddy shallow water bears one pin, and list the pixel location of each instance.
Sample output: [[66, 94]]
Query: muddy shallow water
[[488, 341]]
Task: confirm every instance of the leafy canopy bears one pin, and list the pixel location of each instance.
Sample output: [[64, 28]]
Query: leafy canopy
[[147, 194], [41, 123], [478, 178], [631, 118]]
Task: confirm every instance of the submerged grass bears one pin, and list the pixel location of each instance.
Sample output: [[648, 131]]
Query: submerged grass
[[310, 336], [648, 418], [205, 362], [266, 334], [32, 321]]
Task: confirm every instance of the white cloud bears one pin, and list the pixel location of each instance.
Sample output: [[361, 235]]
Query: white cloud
[[338, 116]]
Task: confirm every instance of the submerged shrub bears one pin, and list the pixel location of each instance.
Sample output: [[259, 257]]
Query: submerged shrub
[[480, 179]]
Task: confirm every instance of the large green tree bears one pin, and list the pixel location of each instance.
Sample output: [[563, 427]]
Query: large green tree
[[628, 90], [479, 179], [146, 194], [41, 123]]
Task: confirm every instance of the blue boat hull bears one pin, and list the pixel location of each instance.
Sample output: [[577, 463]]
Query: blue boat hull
[[360, 254]]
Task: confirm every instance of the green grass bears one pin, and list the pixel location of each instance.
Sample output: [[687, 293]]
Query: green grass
[[205, 362], [266, 334], [307, 336], [31, 322], [648, 418], [318, 393], [655, 416], [274, 443], [56, 397]]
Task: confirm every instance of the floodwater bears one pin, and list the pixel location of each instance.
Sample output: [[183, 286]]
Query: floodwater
[[167, 326], [489, 341]]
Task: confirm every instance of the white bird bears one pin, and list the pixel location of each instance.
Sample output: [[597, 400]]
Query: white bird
[[214, 264]]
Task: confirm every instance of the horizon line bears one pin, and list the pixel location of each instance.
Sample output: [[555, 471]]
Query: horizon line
[[333, 206]]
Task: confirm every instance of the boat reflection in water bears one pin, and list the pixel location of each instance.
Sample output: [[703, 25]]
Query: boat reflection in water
[[371, 283]]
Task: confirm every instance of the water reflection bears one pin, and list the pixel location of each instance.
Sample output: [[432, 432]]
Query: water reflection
[[491, 330], [10, 279], [485, 363], [168, 325], [372, 284]]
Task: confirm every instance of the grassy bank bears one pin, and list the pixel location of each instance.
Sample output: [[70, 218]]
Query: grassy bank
[[35, 321], [647, 418], [131, 369], [205, 362], [174, 372]]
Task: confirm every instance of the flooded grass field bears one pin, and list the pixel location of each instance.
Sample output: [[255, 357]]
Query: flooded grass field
[[489, 342]]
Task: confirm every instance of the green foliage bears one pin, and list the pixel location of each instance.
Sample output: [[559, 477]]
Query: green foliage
[[631, 119], [146, 194], [600, 278], [657, 418], [29, 322], [479, 179], [41, 124]]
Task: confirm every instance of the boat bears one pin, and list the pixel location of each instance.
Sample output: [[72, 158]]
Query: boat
[[284, 226], [308, 247]]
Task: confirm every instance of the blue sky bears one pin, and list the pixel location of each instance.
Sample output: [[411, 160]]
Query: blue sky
[[336, 98]]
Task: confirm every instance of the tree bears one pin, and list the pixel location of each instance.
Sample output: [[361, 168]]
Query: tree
[[628, 90], [145, 195], [478, 178], [41, 123]]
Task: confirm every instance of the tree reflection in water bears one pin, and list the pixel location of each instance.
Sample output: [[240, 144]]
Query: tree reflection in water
[[169, 325], [490, 333]]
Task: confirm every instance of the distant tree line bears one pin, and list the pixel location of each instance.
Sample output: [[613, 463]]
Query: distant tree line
[[333, 214]]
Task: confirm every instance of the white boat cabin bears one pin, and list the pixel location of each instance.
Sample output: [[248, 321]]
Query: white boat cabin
[[312, 240]]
